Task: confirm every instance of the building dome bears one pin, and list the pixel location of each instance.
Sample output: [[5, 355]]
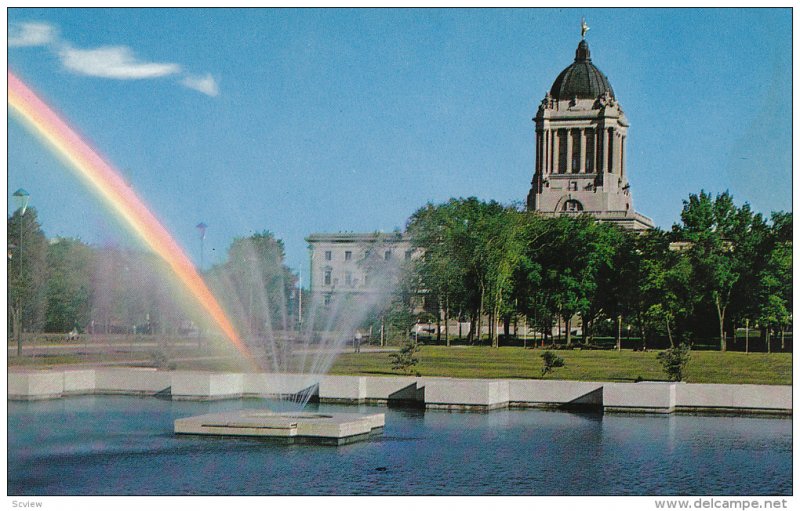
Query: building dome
[[581, 79]]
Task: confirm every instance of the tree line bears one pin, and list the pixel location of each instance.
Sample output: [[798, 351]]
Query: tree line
[[64, 285], [721, 267]]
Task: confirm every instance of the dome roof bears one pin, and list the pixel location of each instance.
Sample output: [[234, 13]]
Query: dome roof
[[581, 79]]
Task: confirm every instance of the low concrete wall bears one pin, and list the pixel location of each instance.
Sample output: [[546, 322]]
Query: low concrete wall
[[386, 388], [134, 380], [433, 392], [717, 397], [79, 381], [458, 394], [35, 385], [206, 386], [263, 384], [554, 393], [344, 389], [649, 397]]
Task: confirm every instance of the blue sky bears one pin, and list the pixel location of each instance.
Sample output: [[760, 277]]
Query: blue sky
[[301, 121]]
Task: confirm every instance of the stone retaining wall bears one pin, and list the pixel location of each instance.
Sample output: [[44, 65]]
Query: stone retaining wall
[[444, 393]]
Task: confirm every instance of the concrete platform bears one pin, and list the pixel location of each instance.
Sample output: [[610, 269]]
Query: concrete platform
[[325, 428]]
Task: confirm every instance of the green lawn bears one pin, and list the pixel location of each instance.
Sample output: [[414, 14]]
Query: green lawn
[[487, 362], [514, 362]]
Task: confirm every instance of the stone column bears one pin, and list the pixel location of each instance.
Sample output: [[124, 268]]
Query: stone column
[[543, 166], [622, 157], [582, 153], [545, 143], [555, 152], [568, 170], [600, 149], [604, 140]]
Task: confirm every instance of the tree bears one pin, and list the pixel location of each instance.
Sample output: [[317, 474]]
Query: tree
[[504, 246], [717, 232], [255, 284], [27, 291], [438, 276], [454, 265], [69, 286], [568, 256], [775, 297]]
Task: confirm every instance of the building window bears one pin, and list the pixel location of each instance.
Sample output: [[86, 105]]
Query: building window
[[573, 186], [387, 255], [562, 150], [366, 280], [328, 256], [573, 205], [408, 254], [327, 277], [348, 279], [348, 255], [326, 299]]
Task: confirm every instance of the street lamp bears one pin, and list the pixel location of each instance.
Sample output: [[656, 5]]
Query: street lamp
[[202, 228], [21, 198]]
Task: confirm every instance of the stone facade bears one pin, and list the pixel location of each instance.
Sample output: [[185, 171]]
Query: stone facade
[[581, 139], [358, 263]]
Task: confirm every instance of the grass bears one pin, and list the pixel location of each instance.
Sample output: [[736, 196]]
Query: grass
[[515, 362], [486, 362]]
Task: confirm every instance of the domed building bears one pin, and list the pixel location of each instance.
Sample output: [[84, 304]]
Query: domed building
[[581, 137]]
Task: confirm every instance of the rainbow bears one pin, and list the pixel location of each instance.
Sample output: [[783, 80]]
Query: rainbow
[[104, 179]]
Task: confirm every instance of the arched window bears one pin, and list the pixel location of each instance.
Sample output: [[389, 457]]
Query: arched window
[[573, 205]]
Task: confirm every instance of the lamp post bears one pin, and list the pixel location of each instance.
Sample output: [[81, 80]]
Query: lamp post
[[202, 228], [300, 301], [21, 198]]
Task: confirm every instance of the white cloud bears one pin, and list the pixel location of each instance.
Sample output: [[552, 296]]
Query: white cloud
[[205, 84], [116, 62], [31, 34]]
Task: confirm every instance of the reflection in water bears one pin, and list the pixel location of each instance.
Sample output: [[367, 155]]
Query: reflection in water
[[124, 446]]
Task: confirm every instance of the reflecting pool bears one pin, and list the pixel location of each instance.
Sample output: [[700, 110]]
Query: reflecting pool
[[110, 445]]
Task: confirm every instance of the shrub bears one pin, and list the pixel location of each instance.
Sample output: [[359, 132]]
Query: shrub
[[405, 359], [674, 361], [550, 361], [161, 361]]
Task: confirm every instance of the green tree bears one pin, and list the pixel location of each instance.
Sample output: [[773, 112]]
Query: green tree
[[27, 286], [454, 264], [255, 284], [503, 244], [69, 285], [569, 255], [717, 234], [775, 297]]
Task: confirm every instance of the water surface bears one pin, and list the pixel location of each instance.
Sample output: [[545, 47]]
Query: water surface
[[103, 445]]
